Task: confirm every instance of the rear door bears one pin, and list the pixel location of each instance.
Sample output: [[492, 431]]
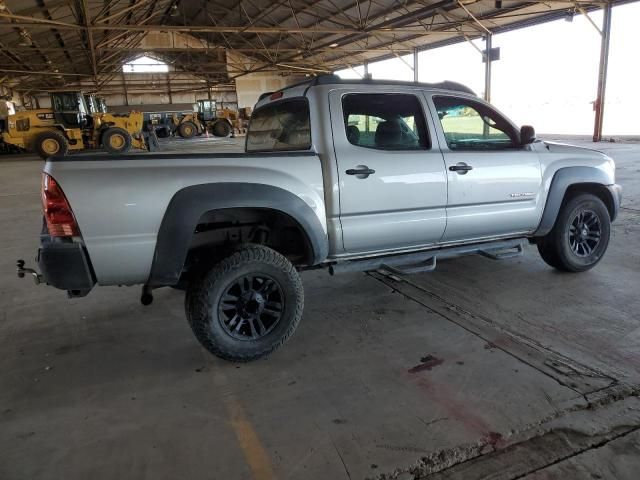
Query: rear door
[[392, 182], [494, 185]]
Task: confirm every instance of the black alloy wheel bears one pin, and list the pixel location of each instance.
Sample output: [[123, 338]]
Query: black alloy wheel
[[584, 233], [251, 306]]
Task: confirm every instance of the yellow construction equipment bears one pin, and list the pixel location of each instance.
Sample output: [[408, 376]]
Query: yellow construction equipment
[[220, 122], [187, 125], [69, 125]]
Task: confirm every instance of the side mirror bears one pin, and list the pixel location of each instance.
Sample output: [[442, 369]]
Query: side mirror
[[527, 135]]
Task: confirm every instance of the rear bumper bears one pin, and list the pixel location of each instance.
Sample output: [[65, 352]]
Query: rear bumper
[[65, 265]]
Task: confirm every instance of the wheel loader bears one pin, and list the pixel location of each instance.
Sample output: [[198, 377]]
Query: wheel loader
[[187, 125], [69, 126], [218, 122]]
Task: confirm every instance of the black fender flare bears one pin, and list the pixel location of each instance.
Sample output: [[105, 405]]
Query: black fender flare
[[565, 178], [190, 203]]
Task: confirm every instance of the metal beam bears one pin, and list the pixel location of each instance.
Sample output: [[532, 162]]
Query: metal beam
[[487, 68], [602, 74], [480, 24], [32, 23], [135, 6], [92, 49], [124, 89]]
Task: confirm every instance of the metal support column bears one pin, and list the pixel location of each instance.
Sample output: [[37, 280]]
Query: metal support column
[[487, 68], [124, 88], [602, 73], [366, 70], [415, 65]]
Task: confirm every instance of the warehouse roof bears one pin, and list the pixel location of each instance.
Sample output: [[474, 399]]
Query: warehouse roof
[[46, 43]]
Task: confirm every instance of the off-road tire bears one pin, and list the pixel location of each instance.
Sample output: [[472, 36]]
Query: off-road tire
[[205, 292], [187, 130], [221, 128], [163, 132], [555, 247], [116, 140], [44, 139]]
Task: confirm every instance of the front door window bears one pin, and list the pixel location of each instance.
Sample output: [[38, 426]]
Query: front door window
[[469, 125]]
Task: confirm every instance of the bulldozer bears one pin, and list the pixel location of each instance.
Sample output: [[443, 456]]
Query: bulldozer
[[69, 125]]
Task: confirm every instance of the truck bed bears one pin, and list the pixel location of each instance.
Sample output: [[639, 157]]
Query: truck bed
[[119, 202]]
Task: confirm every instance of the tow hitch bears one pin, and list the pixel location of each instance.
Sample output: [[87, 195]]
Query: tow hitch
[[22, 271]]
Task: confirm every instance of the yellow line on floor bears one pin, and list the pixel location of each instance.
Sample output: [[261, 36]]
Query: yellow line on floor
[[254, 453], [252, 448]]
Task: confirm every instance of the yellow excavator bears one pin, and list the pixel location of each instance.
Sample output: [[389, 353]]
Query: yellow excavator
[[69, 125]]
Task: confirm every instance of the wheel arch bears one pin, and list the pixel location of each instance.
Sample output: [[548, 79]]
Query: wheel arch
[[189, 205], [568, 182]]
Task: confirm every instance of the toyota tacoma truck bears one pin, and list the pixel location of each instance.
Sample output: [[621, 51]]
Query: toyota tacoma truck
[[337, 174]]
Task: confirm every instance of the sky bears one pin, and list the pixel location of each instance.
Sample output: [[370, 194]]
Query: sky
[[547, 75]]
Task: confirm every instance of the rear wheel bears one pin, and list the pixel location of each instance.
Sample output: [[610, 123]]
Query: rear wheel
[[580, 236], [116, 140], [221, 129], [51, 143], [187, 129], [247, 305], [163, 132]]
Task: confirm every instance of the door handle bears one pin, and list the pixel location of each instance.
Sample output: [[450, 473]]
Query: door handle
[[361, 171], [461, 168]]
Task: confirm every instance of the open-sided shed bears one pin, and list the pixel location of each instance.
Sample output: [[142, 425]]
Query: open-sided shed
[[51, 44]]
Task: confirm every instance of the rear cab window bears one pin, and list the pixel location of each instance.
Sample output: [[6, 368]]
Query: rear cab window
[[281, 125]]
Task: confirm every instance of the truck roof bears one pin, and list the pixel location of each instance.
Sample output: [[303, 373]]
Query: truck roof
[[332, 79]]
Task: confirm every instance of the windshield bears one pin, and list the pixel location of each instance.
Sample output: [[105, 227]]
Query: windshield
[[278, 126]]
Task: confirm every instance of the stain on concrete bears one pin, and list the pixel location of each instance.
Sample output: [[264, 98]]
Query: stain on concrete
[[492, 438], [427, 363], [64, 349]]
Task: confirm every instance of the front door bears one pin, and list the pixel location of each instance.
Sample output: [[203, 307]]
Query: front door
[[494, 183], [392, 183]]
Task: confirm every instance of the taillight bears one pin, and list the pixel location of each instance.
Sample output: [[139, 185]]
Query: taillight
[[57, 212]]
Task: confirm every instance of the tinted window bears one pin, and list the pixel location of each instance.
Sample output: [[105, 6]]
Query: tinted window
[[280, 125], [385, 121], [472, 125], [68, 102]]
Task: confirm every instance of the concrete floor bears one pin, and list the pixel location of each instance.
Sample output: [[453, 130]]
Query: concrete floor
[[481, 369]]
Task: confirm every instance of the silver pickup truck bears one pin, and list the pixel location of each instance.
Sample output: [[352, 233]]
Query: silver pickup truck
[[346, 175]]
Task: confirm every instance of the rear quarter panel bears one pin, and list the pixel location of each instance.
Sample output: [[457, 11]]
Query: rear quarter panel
[[119, 204]]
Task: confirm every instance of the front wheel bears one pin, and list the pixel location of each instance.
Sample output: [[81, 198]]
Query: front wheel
[[116, 140], [247, 305], [579, 237], [187, 129]]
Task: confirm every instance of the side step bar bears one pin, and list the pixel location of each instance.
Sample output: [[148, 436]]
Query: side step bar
[[426, 261]]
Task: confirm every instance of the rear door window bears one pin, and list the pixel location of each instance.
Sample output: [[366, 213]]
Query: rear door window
[[280, 126], [385, 121]]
